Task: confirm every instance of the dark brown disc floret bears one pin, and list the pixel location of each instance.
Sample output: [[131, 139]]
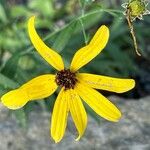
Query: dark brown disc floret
[[65, 78]]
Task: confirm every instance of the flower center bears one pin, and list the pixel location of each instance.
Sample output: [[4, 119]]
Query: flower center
[[66, 79]]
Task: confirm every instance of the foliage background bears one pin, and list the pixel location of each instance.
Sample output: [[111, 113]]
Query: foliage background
[[66, 26]]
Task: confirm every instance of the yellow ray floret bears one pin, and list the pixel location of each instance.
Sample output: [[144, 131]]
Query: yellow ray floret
[[52, 57], [40, 87], [78, 112], [37, 88], [101, 105], [106, 83], [15, 99], [59, 116], [87, 53]]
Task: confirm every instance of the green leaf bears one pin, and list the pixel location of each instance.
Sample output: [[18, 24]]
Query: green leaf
[[2, 90], [89, 19], [44, 7], [11, 65], [7, 82], [75, 26], [63, 37], [19, 10], [85, 2], [3, 16]]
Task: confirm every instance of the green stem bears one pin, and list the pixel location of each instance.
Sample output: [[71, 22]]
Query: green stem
[[83, 31], [81, 22]]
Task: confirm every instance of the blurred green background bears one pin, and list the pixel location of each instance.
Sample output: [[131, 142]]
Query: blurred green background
[[66, 26]]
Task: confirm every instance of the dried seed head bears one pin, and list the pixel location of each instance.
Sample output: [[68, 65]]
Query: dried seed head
[[137, 9], [65, 78]]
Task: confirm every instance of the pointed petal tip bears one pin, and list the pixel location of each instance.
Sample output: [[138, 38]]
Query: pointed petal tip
[[59, 116], [115, 120], [104, 27], [124, 5], [78, 138], [54, 138], [119, 116], [56, 141], [32, 18], [116, 117]]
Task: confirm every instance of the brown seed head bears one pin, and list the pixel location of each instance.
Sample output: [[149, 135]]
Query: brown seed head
[[65, 78]]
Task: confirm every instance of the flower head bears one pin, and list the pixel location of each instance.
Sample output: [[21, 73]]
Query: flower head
[[74, 85], [137, 8]]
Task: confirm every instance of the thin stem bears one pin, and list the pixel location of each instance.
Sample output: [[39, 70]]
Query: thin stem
[[83, 31], [128, 16], [81, 22]]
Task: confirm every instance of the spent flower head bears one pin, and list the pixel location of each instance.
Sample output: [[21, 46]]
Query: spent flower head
[[137, 9], [74, 85]]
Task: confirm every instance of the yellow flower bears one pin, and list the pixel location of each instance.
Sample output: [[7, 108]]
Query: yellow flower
[[75, 85]]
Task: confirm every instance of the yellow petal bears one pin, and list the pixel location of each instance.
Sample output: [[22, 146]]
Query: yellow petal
[[87, 53], [40, 87], [47, 53], [101, 105], [59, 116], [77, 112], [37, 88], [106, 83], [14, 99]]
